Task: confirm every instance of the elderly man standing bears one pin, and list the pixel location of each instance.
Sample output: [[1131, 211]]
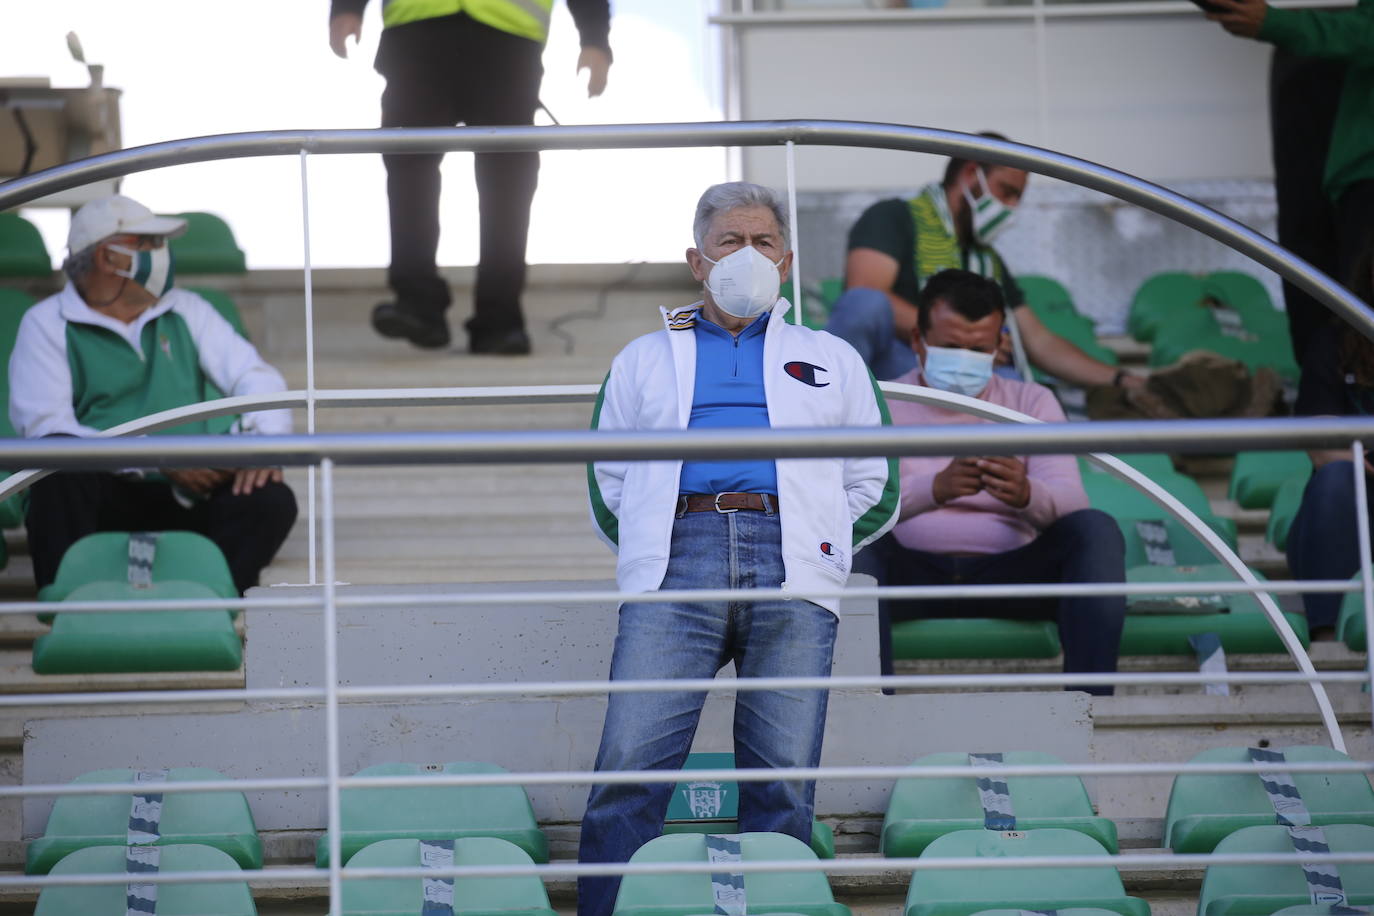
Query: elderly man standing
[[731, 360], [995, 519], [119, 343]]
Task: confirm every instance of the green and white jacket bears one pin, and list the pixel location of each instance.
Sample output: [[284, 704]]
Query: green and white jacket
[[76, 372], [830, 507]]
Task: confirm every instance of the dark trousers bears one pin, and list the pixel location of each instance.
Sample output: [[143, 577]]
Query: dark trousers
[[65, 507], [1323, 542], [1083, 546], [439, 73]]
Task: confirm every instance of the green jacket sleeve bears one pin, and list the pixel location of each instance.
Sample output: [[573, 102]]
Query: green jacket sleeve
[[1345, 34]]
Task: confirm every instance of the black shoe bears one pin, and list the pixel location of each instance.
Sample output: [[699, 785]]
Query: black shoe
[[514, 342], [390, 319]]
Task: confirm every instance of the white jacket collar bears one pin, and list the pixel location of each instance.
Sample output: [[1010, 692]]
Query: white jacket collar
[[73, 308]]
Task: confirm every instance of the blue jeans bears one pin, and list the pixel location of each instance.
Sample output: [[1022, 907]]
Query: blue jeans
[[1323, 542], [654, 731], [1083, 546], [863, 319]]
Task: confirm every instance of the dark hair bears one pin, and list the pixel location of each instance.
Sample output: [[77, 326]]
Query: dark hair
[[971, 296], [955, 166]]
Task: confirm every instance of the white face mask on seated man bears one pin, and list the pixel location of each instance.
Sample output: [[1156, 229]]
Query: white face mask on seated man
[[744, 283]]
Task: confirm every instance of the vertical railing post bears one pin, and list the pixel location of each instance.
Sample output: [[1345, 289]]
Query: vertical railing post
[[309, 363], [797, 314], [331, 690], [1042, 77], [1366, 580]]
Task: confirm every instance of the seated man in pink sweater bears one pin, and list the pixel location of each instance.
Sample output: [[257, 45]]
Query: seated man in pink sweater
[[994, 519]]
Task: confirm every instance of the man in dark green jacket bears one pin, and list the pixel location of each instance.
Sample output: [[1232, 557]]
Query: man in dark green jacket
[[1345, 35]]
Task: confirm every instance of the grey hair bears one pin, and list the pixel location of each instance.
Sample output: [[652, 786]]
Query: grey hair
[[732, 195], [81, 263]]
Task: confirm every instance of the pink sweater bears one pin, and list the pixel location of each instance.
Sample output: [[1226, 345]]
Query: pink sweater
[[981, 523]]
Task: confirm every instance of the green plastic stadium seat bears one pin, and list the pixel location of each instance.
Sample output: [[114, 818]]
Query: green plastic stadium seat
[[1178, 303], [975, 637], [1287, 502], [1204, 808], [1165, 297], [517, 896], [1244, 293], [713, 807], [438, 813], [961, 893], [1272, 351], [1161, 625], [1154, 465], [13, 304], [1350, 628], [207, 247], [22, 252], [1127, 504], [1045, 295], [218, 819], [802, 893], [231, 898], [922, 810], [104, 557], [140, 641], [1070, 911], [1257, 476], [1259, 890]]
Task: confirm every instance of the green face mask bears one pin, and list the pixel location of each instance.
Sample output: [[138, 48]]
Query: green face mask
[[151, 269]]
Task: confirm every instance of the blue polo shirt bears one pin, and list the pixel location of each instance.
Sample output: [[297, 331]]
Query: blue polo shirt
[[729, 395]]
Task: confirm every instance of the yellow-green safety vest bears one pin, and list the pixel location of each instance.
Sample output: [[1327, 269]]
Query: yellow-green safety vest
[[524, 18]]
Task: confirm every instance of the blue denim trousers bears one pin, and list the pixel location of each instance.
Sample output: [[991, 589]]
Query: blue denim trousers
[[654, 731], [1323, 541], [863, 319]]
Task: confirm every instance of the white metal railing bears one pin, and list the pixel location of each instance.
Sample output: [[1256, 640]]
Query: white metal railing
[[325, 451]]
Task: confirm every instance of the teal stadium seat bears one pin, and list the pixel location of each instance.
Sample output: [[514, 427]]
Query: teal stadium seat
[[713, 807], [1259, 890], [1350, 625], [1045, 295], [1287, 502], [13, 304], [435, 813], [230, 898], [922, 810], [1124, 502], [207, 246], [22, 252], [962, 892], [1257, 476], [218, 819], [140, 641], [802, 893], [974, 637], [181, 555], [1205, 808], [475, 896], [1170, 296]]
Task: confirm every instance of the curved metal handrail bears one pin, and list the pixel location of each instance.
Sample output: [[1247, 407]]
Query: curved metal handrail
[[918, 439], [862, 134]]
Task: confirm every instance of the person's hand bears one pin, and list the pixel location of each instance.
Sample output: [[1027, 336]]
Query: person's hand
[[340, 27], [1133, 382], [200, 481], [246, 480], [1005, 478], [1004, 354], [598, 63], [1240, 17], [960, 477]]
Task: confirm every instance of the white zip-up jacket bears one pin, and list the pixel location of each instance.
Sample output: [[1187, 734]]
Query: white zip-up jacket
[[829, 507]]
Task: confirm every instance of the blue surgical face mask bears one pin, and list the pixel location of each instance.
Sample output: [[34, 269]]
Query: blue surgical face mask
[[150, 268], [956, 370]]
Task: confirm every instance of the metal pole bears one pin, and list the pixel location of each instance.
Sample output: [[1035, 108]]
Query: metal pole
[[309, 365], [797, 313], [1362, 536], [331, 689]]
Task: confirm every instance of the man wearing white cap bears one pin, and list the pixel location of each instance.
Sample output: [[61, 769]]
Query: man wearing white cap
[[119, 343]]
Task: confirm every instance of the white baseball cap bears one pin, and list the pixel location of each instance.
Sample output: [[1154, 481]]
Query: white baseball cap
[[117, 215]]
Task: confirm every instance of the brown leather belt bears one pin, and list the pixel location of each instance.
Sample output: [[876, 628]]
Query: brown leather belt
[[727, 502]]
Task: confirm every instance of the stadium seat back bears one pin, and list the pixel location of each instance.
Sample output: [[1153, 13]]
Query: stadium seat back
[[804, 893], [1204, 808], [974, 637], [1045, 295], [921, 810], [1257, 476], [218, 819], [207, 247], [230, 898], [1259, 890], [1350, 623], [140, 641], [1287, 502], [182, 555], [22, 252], [435, 812], [518, 896], [709, 806], [14, 304], [936, 892], [1163, 298], [1127, 504]]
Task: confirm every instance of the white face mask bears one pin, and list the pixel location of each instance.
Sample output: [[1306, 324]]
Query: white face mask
[[990, 215], [744, 283], [150, 268], [956, 370]]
